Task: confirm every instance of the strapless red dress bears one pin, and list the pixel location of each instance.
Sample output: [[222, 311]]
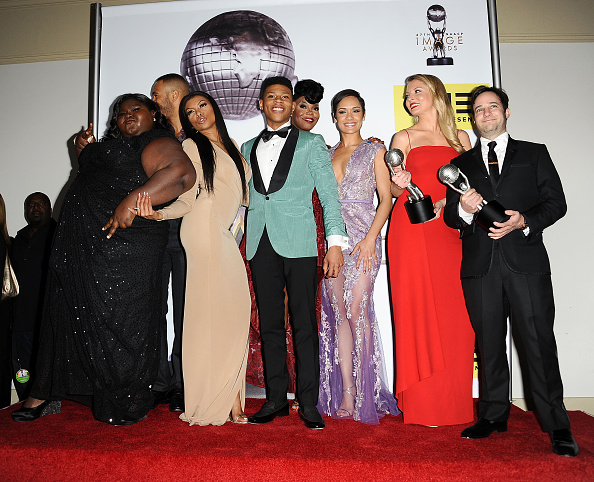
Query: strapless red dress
[[434, 340]]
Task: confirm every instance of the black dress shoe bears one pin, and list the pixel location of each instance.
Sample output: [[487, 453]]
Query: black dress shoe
[[311, 417], [48, 407], [161, 397], [564, 443], [177, 401], [269, 411], [125, 420], [483, 428]]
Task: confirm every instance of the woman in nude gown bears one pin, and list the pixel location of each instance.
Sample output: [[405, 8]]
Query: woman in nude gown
[[217, 306]]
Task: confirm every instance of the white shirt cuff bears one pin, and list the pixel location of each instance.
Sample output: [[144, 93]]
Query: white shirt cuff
[[466, 217], [338, 240]]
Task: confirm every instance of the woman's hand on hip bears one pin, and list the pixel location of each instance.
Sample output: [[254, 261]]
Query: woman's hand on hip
[[366, 249]]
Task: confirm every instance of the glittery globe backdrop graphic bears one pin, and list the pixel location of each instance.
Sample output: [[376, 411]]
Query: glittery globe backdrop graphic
[[230, 55]]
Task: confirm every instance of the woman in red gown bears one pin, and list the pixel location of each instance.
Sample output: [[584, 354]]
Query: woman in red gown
[[434, 340]]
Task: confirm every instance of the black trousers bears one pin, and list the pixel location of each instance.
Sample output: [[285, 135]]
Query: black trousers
[[529, 298], [22, 346], [170, 374], [270, 273]]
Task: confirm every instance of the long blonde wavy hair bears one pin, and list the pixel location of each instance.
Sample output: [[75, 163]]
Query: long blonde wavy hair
[[3, 228], [445, 112]]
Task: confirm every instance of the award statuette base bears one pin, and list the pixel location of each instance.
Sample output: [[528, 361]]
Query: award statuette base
[[419, 211], [441, 61], [492, 211]]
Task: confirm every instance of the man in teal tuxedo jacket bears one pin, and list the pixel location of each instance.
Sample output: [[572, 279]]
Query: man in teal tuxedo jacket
[[287, 164]]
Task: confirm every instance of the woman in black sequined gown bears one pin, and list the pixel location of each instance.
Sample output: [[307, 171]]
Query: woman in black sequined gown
[[100, 332]]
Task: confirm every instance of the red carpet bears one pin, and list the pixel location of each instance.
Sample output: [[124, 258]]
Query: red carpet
[[73, 446]]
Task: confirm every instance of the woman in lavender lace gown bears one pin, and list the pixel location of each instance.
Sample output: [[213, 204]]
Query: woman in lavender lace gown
[[352, 373]]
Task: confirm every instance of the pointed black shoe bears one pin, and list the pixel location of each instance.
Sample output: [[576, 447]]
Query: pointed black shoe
[[125, 421], [311, 417], [177, 401], [48, 407], [161, 397], [564, 443], [483, 428], [269, 411]]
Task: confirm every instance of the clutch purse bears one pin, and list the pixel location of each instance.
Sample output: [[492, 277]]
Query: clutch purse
[[237, 228], [10, 285]]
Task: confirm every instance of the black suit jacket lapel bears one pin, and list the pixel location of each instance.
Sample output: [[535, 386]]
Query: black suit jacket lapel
[[510, 154], [478, 157], [481, 182], [281, 171], [256, 175]]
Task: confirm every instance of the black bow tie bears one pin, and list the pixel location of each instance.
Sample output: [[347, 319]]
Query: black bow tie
[[267, 135]]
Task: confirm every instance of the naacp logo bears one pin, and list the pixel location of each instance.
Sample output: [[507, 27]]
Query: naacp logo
[[438, 42]]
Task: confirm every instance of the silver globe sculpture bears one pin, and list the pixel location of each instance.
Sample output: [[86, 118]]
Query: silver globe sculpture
[[231, 54]]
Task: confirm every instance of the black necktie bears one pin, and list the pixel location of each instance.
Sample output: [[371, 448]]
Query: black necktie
[[267, 135], [493, 163]]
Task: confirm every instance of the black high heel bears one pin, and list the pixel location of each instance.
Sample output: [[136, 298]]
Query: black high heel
[[49, 407]]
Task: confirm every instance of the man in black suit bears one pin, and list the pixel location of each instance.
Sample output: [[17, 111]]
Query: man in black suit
[[168, 92], [506, 270]]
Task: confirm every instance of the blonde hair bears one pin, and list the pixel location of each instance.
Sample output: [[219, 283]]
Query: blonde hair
[[445, 112], [3, 228]]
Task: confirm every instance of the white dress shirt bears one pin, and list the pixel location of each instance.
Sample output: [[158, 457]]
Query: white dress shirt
[[268, 154]]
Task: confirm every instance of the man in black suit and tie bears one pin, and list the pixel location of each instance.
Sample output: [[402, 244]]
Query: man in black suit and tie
[[506, 270]]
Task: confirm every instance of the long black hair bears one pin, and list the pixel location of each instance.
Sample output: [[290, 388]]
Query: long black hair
[[206, 148], [113, 131]]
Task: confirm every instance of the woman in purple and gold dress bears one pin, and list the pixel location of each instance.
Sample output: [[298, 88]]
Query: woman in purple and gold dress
[[352, 373]]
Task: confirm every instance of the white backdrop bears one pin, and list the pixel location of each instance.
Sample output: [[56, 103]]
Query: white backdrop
[[370, 46]]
